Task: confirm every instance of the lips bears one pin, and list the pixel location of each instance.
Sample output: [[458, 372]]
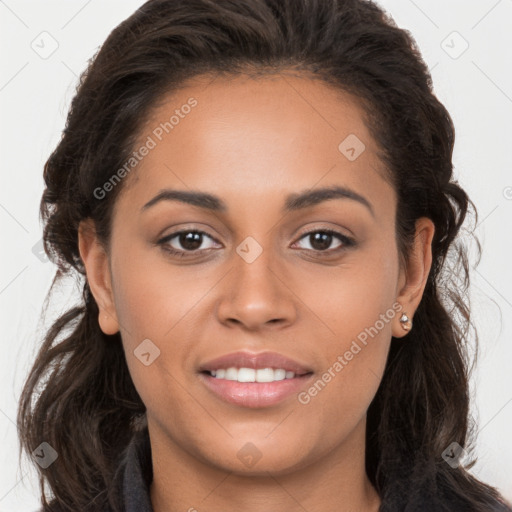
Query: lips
[[256, 361]]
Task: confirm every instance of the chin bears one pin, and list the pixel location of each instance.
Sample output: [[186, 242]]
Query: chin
[[254, 458]]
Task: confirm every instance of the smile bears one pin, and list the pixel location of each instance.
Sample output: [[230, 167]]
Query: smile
[[254, 394]]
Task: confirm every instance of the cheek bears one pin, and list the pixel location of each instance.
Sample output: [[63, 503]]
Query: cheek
[[342, 392], [356, 357], [152, 314], [159, 302], [357, 306], [352, 296], [151, 295]]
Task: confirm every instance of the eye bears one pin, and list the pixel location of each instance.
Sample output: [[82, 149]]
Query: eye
[[190, 242], [321, 239], [186, 241]]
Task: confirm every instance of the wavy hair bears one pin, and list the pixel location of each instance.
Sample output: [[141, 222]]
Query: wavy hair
[[79, 396]]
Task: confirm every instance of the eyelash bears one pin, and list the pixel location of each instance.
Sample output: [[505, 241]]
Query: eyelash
[[346, 241]]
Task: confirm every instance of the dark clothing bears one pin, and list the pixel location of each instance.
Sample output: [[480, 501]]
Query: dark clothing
[[138, 474]]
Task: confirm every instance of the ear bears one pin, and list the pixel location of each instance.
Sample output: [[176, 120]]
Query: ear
[[95, 260], [414, 278]]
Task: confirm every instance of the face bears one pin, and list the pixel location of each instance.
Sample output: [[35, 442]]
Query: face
[[256, 268]]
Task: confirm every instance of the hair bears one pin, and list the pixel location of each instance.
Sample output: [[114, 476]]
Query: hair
[[79, 396]]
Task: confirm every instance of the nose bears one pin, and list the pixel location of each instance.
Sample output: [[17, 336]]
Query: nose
[[257, 295]]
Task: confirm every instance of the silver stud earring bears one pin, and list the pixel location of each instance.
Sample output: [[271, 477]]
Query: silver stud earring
[[406, 322]]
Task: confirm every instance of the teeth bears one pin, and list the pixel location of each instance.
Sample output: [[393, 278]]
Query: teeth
[[252, 375], [279, 374], [231, 374]]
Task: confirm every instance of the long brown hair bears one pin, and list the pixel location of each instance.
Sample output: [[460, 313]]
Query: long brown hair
[[79, 396]]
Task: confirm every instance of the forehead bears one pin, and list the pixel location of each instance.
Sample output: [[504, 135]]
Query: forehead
[[240, 136]]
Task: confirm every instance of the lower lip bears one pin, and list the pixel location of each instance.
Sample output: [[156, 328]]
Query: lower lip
[[254, 394]]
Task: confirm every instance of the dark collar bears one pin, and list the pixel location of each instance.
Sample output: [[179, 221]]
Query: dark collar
[[137, 474]]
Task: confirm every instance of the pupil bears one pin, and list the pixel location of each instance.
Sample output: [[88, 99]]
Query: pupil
[[320, 240], [191, 240]]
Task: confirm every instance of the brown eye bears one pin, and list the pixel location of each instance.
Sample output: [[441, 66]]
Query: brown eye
[[321, 240], [186, 241], [190, 241]]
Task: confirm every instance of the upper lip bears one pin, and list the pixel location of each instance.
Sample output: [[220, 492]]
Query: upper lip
[[244, 359]]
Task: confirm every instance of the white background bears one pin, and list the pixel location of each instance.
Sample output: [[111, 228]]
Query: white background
[[476, 88]]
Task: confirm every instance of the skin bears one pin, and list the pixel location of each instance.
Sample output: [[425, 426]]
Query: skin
[[253, 142]]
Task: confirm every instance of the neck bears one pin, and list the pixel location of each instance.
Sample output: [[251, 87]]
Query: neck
[[336, 481]]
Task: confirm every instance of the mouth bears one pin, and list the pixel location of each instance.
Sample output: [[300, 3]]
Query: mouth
[[254, 394], [259, 375], [254, 380]]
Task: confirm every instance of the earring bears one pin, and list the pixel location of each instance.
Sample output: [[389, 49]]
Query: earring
[[406, 322]]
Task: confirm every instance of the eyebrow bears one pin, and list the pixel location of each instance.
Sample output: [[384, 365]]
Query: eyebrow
[[293, 202]]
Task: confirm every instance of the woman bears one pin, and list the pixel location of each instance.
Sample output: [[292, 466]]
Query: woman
[[259, 197]]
